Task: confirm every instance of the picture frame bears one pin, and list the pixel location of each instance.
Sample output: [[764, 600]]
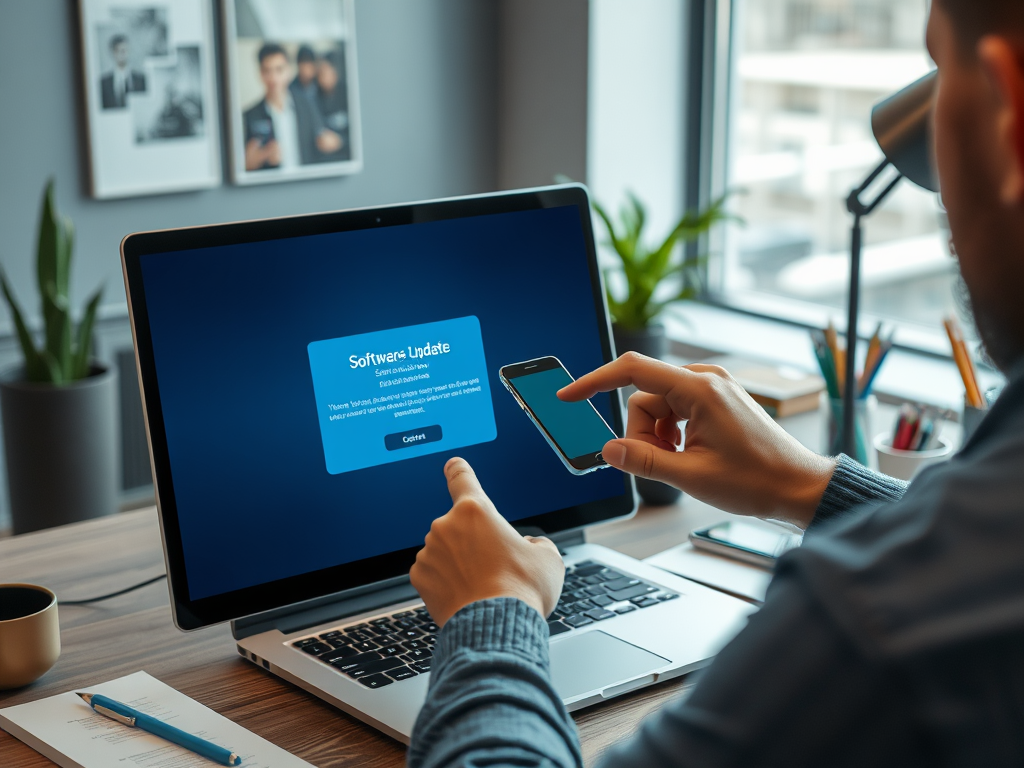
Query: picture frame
[[292, 89], [149, 80]]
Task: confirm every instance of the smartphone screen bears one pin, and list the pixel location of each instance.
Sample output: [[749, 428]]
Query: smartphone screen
[[576, 429]]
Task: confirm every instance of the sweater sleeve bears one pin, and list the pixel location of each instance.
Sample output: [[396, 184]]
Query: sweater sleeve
[[491, 701], [853, 484]]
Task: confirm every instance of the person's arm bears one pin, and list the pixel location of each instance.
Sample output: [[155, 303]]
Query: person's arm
[[852, 485], [491, 701]]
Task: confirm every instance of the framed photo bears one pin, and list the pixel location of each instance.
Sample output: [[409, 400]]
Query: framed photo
[[293, 93], [150, 85]]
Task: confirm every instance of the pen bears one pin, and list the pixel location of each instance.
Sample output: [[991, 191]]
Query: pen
[[122, 713]]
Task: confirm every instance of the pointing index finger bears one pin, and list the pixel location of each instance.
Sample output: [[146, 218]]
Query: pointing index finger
[[645, 373]]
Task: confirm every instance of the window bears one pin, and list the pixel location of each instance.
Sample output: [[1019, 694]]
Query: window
[[803, 76]]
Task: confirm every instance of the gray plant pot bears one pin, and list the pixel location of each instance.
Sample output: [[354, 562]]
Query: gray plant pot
[[61, 448], [653, 342]]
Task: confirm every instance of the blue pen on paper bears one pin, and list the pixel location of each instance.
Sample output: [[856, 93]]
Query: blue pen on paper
[[122, 713]]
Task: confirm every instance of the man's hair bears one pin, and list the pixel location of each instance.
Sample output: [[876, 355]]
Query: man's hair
[[116, 40], [977, 18], [305, 54], [271, 49]]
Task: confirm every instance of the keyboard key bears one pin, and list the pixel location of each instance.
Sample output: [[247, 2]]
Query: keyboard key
[[344, 652], [361, 636], [356, 628], [422, 611], [422, 666], [412, 645], [600, 614], [579, 594], [329, 635], [591, 580], [579, 620], [587, 568], [557, 628], [373, 667], [376, 681], [403, 615], [626, 609], [419, 654], [431, 628], [354, 661], [304, 642], [405, 623], [630, 592], [380, 631], [621, 583], [381, 620], [391, 650], [365, 646], [401, 673], [317, 648], [645, 602], [667, 596], [430, 640], [601, 601], [410, 634], [592, 591], [581, 606]]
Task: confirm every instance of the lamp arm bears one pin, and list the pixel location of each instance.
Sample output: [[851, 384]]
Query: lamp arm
[[859, 209]]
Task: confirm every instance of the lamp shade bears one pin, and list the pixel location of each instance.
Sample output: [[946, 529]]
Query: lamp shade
[[903, 129]]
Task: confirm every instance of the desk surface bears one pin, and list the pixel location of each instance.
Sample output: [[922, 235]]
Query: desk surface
[[134, 632]]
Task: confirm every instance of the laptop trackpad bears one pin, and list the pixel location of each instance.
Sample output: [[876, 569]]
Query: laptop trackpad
[[596, 660]]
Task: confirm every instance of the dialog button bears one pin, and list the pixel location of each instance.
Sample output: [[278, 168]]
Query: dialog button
[[412, 437]]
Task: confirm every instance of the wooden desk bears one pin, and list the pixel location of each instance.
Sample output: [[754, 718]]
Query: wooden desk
[[134, 632]]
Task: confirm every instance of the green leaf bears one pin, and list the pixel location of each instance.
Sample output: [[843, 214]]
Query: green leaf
[[83, 348], [35, 369]]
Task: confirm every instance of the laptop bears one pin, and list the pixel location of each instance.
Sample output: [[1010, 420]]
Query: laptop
[[304, 381]]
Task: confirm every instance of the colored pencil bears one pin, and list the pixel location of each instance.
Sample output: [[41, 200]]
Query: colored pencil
[[963, 362]]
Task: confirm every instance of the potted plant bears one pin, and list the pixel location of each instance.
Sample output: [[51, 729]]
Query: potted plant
[[59, 408], [652, 278]]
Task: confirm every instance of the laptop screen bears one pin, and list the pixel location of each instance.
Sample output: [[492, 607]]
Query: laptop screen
[[311, 388]]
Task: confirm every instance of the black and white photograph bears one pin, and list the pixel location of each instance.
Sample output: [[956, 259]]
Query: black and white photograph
[[293, 89], [150, 96]]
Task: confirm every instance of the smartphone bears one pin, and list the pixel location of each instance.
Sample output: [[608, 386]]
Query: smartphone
[[750, 543], [575, 431]]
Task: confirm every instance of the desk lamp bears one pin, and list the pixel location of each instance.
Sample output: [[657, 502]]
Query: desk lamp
[[902, 127]]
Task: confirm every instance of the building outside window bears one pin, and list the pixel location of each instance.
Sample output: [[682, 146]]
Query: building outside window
[[804, 75]]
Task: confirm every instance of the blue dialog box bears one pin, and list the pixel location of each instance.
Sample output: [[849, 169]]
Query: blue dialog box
[[397, 394]]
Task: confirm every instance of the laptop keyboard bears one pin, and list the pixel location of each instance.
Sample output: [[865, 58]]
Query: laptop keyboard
[[399, 646]]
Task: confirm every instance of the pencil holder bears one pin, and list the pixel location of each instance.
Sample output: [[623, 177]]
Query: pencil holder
[[905, 465], [863, 420], [971, 417]]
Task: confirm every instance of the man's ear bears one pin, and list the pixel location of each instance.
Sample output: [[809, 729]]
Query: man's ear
[[1003, 64]]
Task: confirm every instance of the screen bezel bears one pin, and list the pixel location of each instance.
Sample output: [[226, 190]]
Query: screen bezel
[[510, 373], [193, 614]]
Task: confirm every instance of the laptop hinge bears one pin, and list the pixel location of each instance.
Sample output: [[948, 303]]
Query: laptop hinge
[[340, 605], [562, 540]]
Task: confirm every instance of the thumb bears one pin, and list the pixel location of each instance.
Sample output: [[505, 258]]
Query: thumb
[[462, 482], [639, 458]]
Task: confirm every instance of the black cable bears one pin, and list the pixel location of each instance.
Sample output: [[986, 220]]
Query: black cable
[[120, 592]]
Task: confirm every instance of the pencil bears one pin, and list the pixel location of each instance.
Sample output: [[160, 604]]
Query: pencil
[[838, 355], [870, 359], [963, 362]]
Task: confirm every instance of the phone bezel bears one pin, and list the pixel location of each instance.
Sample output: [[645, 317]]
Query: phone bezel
[[508, 373]]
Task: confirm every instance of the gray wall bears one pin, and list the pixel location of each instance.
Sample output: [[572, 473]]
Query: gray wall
[[542, 107], [428, 72]]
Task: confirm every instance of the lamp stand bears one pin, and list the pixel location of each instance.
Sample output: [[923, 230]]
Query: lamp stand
[[859, 209]]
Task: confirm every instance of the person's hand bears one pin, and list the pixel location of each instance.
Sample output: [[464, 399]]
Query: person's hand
[[734, 457], [254, 155], [472, 553], [328, 142], [272, 152]]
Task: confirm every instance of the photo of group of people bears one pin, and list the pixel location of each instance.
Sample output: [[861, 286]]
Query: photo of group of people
[[149, 84], [149, 69], [291, 73]]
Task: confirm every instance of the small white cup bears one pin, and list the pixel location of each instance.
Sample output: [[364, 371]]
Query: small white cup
[[904, 465]]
